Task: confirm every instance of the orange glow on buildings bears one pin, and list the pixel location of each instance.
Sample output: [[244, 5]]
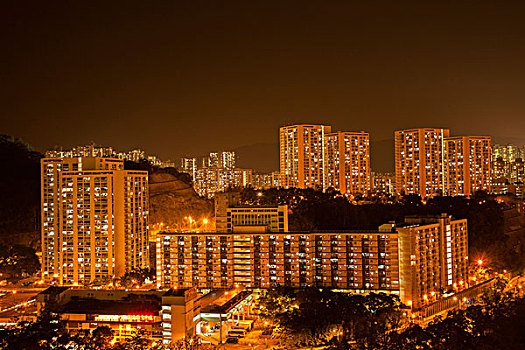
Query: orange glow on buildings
[[348, 162], [412, 259], [419, 161], [302, 155], [467, 165], [94, 219], [311, 156]]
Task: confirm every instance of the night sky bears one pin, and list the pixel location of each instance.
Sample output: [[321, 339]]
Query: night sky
[[176, 77]]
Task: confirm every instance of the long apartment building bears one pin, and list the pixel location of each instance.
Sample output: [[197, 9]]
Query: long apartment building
[[468, 165], [311, 156], [413, 260], [94, 219]]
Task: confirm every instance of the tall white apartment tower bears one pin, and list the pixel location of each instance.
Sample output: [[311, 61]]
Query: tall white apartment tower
[[94, 219]]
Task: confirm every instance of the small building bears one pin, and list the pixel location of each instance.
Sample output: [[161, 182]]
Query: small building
[[162, 315], [231, 216]]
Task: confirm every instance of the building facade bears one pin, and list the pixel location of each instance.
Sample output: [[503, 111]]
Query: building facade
[[189, 165], [212, 180], [419, 161], [509, 153], [231, 216], [94, 219], [383, 183], [302, 155], [412, 260], [162, 316], [468, 165], [348, 162]]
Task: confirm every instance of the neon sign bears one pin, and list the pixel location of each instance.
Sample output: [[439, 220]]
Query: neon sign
[[125, 318]]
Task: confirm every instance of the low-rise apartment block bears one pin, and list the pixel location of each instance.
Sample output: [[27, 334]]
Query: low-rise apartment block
[[414, 259]]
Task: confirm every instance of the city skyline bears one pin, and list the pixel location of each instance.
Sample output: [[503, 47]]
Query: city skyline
[[160, 77], [262, 174]]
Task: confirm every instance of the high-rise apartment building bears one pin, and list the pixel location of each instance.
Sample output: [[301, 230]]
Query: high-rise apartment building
[[224, 159], [228, 159], [517, 171], [416, 259], [189, 165], [467, 165], [213, 159], [383, 183], [510, 172], [94, 219], [419, 161], [302, 155], [509, 153], [211, 180], [348, 162]]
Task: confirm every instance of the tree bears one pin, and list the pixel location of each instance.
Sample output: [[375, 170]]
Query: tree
[[314, 317]]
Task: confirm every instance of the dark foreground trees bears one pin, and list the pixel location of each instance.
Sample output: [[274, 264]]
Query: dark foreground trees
[[313, 317], [310, 317], [498, 322]]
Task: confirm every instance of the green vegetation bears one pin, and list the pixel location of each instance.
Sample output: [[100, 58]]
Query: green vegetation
[[497, 322], [137, 277], [310, 317], [314, 317], [17, 261]]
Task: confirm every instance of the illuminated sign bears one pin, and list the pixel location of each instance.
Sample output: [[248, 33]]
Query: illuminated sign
[[125, 318]]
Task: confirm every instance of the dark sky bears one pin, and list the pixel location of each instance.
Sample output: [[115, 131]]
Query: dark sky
[[188, 77]]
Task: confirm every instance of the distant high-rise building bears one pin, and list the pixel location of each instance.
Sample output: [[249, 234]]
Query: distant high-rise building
[[467, 165], [499, 169], [92, 150], [276, 179], [302, 155], [419, 161], [135, 155], [189, 165], [262, 181], [214, 160], [383, 183], [94, 219], [508, 169], [509, 153], [348, 162], [211, 180], [227, 160], [517, 171]]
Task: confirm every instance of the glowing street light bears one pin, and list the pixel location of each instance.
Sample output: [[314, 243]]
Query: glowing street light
[[480, 262]]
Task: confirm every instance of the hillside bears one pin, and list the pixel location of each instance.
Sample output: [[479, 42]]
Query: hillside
[[20, 189], [172, 198]]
